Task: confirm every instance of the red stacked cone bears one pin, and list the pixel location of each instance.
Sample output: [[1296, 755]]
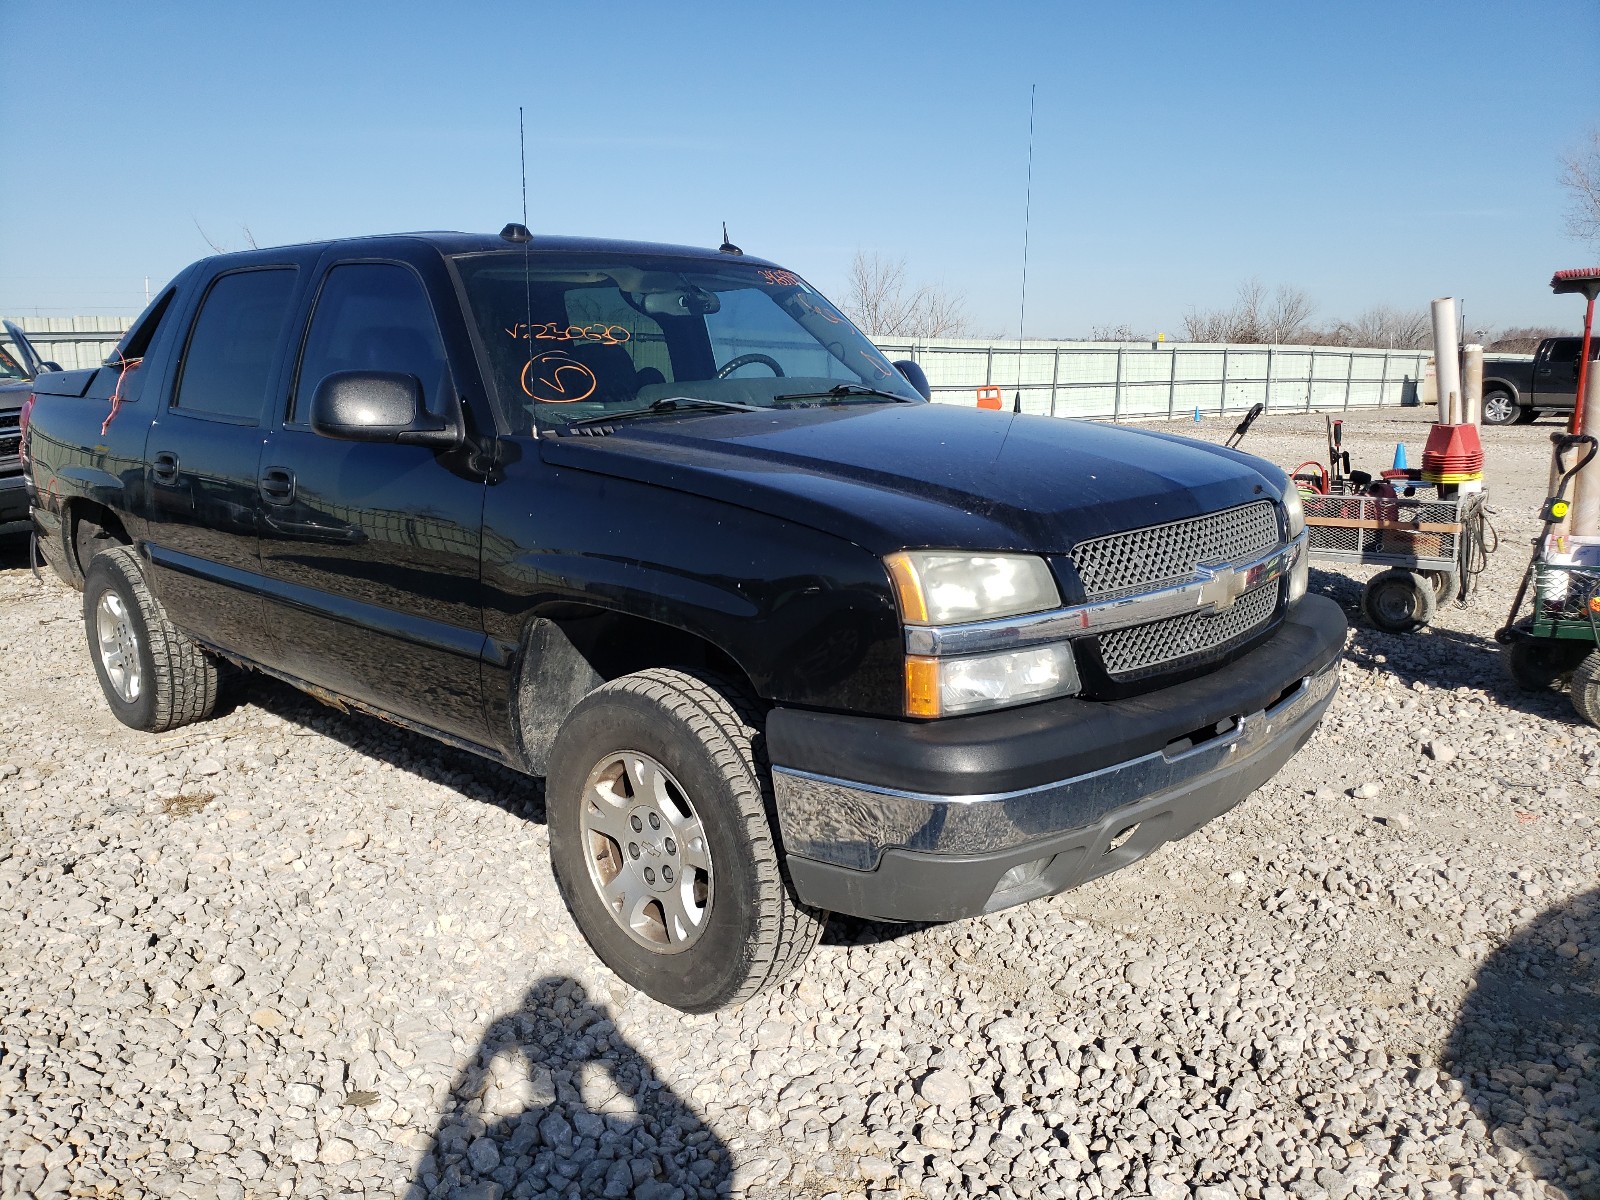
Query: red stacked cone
[[1454, 455]]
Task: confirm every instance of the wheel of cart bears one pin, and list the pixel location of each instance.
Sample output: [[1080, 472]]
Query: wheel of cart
[[1557, 644], [1420, 539], [1399, 600]]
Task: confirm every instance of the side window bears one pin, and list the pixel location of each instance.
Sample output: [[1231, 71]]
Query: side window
[[1564, 351], [372, 317], [230, 357]]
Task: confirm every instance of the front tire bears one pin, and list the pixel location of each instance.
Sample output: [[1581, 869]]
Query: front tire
[[1543, 664], [661, 838], [1500, 408], [154, 678]]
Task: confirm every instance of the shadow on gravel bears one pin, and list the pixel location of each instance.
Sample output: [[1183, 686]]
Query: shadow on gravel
[[416, 754], [556, 1103], [14, 553], [1526, 1047], [1439, 657]]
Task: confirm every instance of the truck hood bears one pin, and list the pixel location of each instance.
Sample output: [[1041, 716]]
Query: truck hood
[[903, 476]]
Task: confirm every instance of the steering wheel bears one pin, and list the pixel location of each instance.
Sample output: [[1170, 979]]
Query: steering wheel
[[744, 360]]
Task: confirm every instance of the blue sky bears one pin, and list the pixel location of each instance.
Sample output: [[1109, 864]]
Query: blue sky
[[1368, 153]]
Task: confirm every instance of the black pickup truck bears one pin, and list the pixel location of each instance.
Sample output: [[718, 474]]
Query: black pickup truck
[[1516, 389], [659, 525]]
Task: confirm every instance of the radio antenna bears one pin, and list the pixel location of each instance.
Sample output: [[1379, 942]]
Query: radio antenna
[[1027, 216], [527, 266]]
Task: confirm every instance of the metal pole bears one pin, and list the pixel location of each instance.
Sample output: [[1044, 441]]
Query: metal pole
[[1116, 399], [1383, 381], [1349, 374], [988, 368], [1266, 396], [1055, 378], [1222, 401], [1172, 385], [1311, 379]]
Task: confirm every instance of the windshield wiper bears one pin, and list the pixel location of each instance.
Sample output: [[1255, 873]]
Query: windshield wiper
[[844, 390], [667, 404]]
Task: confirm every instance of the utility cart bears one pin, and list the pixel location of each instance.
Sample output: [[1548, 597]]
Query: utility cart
[[1426, 541]]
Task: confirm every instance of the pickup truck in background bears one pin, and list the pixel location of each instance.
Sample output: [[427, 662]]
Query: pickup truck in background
[[659, 525], [20, 364], [1517, 388]]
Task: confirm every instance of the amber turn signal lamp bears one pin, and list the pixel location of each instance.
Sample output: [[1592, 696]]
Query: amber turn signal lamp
[[908, 590], [922, 686]]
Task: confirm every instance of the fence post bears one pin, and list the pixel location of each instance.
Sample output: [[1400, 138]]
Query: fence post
[[1172, 385], [1116, 396], [1055, 378], [1311, 379], [1222, 399], [1383, 382], [1349, 374], [1266, 395], [988, 368]]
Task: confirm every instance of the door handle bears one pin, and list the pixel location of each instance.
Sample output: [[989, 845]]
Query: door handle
[[164, 466], [277, 485]]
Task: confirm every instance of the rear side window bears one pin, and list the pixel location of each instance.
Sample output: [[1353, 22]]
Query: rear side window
[[233, 345], [1565, 351], [372, 317]]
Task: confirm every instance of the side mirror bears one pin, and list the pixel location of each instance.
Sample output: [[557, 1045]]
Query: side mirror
[[378, 406], [914, 376]]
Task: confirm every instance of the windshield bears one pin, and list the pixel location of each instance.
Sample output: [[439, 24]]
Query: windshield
[[11, 360], [571, 338]]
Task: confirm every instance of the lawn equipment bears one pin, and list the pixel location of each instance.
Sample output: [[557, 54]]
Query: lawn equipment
[[1558, 642]]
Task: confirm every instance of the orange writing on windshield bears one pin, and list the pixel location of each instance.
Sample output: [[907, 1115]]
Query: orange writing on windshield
[[780, 278], [555, 377], [551, 331]]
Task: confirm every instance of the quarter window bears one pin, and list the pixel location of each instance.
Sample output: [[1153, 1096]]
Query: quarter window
[[233, 346]]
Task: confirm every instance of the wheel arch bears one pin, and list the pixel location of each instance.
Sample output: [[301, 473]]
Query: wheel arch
[[93, 518], [567, 652]]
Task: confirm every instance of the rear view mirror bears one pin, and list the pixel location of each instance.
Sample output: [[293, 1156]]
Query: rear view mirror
[[915, 376], [378, 406]]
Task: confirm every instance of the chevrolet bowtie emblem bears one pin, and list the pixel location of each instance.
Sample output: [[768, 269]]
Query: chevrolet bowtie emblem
[[1220, 586]]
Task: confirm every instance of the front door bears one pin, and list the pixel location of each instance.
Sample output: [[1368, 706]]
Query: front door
[[371, 550]]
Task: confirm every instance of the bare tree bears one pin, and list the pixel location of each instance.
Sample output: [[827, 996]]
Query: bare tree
[[1580, 175], [1385, 327], [217, 248], [879, 298], [1254, 318], [1115, 333], [1523, 339]]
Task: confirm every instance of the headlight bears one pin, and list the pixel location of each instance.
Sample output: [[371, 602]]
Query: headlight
[[938, 587], [940, 687], [1294, 512]]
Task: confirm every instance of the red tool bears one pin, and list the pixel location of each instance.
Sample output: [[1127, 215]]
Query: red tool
[[1585, 281]]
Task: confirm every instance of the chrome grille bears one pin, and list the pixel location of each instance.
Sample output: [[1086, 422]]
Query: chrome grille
[[10, 438], [1165, 645], [1160, 555]]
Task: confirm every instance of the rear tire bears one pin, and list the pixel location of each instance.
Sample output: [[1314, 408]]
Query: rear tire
[[659, 803], [1500, 408], [1543, 664], [1399, 600], [154, 678], [1586, 688], [1445, 585]]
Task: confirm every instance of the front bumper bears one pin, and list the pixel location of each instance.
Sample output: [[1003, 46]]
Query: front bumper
[[904, 853]]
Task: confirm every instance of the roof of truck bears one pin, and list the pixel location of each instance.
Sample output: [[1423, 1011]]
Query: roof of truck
[[455, 242]]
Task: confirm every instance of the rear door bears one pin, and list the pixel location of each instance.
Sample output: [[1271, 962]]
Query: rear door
[[1555, 373], [371, 551], [203, 452]]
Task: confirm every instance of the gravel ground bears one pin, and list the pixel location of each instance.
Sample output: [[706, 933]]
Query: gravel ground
[[295, 953]]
